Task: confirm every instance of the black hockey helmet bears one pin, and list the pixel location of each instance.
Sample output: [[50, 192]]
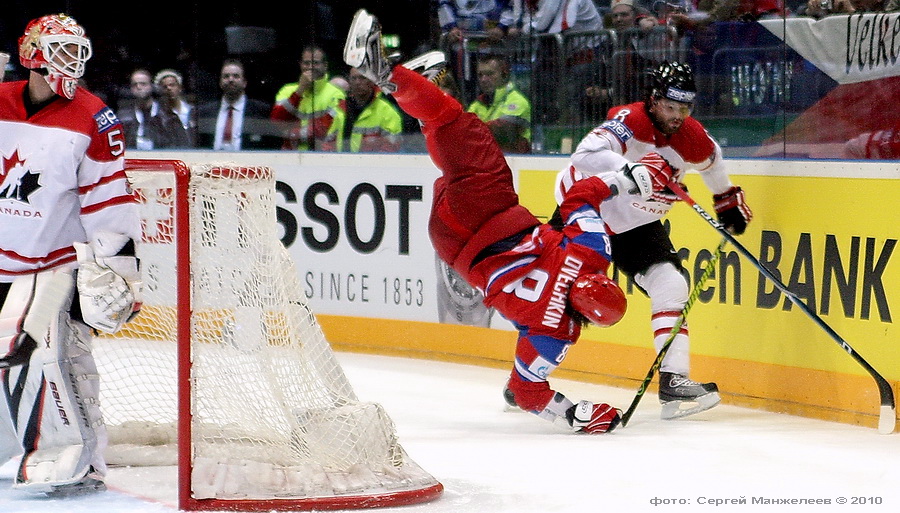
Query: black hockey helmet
[[672, 80]]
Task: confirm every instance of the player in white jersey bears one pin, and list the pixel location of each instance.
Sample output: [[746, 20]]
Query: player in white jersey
[[68, 223], [661, 125]]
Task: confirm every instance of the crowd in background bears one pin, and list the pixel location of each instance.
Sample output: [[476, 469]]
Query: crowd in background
[[526, 67]]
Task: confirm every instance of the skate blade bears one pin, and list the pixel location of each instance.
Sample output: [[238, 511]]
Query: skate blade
[[76, 490], [678, 409]]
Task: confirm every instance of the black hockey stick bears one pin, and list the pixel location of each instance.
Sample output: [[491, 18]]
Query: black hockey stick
[[695, 292], [888, 416]]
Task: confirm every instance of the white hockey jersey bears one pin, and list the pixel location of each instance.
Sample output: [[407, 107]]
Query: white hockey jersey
[[62, 180], [627, 135]]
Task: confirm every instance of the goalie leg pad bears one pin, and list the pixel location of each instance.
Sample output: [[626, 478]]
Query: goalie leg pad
[[55, 405], [30, 303]]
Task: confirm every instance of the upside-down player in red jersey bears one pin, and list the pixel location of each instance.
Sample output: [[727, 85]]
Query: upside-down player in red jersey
[[548, 282], [65, 206]]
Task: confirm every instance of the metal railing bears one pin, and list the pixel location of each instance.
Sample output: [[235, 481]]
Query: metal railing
[[571, 79]]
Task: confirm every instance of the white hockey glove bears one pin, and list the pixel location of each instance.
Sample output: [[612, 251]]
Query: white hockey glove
[[650, 176], [110, 289]]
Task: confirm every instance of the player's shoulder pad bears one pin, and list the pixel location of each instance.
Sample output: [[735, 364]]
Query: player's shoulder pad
[[693, 142], [617, 128], [633, 118], [105, 119]]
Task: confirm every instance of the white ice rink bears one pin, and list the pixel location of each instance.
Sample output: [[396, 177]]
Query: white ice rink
[[451, 420]]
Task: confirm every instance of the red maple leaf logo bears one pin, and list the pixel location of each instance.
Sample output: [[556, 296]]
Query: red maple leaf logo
[[9, 163]]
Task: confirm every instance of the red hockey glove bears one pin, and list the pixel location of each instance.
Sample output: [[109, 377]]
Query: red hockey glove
[[651, 174], [732, 210], [586, 417]]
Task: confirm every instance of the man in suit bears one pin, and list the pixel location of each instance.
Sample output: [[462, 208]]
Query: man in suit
[[146, 126], [235, 122]]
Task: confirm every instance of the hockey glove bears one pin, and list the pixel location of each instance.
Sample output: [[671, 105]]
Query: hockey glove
[[109, 289], [586, 417], [650, 175], [732, 210]]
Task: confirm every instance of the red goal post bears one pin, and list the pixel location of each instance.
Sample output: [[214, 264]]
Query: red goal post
[[226, 372]]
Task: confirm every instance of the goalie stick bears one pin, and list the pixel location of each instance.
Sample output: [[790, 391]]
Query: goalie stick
[[888, 416], [695, 292]]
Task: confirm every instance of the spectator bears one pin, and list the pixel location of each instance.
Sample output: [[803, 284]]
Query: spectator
[[583, 67], [822, 8], [458, 17], [312, 109], [727, 10], [235, 122], [624, 16], [501, 106], [373, 124], [171, 87], [147, 127], [556, 16]]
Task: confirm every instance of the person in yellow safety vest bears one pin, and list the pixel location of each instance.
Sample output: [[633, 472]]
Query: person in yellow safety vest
[[373, 124], [317, 104], [501, 106]]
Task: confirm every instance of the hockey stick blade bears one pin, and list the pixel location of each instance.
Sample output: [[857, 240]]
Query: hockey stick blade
[[887, 420], [695, 292]]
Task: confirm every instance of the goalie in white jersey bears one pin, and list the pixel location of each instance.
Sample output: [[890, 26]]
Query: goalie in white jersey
[[661, 130], [68, 229]]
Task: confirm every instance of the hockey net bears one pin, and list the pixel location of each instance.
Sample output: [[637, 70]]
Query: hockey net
[[226, 371]]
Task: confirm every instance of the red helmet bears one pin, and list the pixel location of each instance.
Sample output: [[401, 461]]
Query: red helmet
[[56, 42], [598, 298]]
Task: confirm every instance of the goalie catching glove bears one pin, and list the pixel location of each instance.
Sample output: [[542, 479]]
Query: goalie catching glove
[[109, 288], [732, 210], [651, 176]]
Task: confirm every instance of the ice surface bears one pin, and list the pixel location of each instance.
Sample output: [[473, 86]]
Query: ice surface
[[451, 420]]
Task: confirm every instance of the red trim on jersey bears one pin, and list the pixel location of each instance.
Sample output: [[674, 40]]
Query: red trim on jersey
[[668, 331], [63, 261], [118, 175], [118, 200], [54, 255]]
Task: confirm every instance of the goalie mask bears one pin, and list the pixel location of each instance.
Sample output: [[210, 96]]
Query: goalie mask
[[56, 44], [598, 298]]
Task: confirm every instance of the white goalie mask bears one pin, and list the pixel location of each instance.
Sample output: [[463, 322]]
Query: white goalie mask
[[57, 44]]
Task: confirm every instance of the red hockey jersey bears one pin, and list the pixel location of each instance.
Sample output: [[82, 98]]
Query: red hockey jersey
[[529, 284]]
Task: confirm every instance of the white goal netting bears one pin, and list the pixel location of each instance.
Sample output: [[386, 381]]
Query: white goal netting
[[269, 409]]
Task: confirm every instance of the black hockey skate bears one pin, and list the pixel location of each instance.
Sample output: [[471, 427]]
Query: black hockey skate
[[681, 397], [510, 400]]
